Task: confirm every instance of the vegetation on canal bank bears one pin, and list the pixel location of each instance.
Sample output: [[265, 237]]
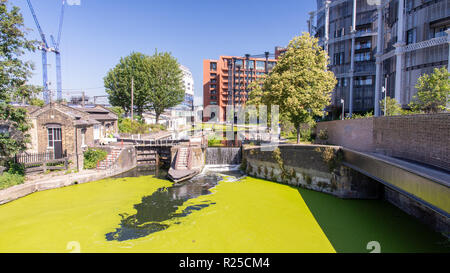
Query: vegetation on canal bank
[[8, 180], [92, 157]]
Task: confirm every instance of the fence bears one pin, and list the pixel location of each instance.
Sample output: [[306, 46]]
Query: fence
[[33, 157], [41, 162]]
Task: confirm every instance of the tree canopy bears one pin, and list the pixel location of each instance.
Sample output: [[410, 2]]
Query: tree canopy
[[157, 83], [433, 92], [300, 83], [14, 73], [134, 67], [166, 89]]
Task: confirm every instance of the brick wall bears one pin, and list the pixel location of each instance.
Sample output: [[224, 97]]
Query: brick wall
[[67, 133], [67, 130], [355, 133], [422, 138]]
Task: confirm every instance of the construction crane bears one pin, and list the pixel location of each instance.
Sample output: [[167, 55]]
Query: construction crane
[[44, 47], [58, 54]]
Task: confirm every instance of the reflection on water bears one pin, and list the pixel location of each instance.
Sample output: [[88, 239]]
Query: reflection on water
[[144, 171], [163, 205]]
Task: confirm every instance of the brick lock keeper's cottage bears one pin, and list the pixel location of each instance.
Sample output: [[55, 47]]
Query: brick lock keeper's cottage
[[69, 131]]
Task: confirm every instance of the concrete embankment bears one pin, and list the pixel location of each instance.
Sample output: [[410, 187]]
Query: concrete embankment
[[348, 174], [125, 162]]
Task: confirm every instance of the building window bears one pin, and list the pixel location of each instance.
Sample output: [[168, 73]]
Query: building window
[[363, 29], [361, 81], [213, 103], [213, 81], [344, 82], [361, 57], [260, 65], [411, 36], [339, 32], [250, 65], [363, 45], [97, 132], [213, 92], [213, 66], [213, 75], [271, 65], [338, 58], [213, 86], [213, 97], [83, 137], [439, 31], [239, 62], [54, 135]]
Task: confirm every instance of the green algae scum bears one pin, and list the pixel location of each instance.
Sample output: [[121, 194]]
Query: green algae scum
[[208, 215]]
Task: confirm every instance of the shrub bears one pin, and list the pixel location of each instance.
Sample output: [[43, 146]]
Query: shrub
[[92, 157], [129, 126], [16, 168], [8, 180], [214, 142], [323, 135]]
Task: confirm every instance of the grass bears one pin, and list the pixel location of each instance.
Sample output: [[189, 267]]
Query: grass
[[8, 180]]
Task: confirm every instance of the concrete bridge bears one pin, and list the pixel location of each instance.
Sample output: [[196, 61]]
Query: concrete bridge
[[427, 186], [419, 190]]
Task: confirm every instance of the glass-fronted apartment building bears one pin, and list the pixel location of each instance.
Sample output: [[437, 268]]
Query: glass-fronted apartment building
[[373, 44]]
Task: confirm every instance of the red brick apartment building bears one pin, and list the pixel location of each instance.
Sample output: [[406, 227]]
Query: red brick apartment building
[[217, 76]]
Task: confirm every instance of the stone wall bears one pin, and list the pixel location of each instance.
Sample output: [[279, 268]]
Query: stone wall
[[422, 138], [434, 220], [308, 166]]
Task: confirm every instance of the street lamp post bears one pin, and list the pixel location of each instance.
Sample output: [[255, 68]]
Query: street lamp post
[[384, 90], [343, 108]]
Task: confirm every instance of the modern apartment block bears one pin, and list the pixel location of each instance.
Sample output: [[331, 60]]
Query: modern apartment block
[[220, 87], [188, 82], [378, 43]]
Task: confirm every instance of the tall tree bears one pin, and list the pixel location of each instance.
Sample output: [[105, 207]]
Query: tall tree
[[117, 82], [14, 73], [433, 93], [300, 83], [166, 89]]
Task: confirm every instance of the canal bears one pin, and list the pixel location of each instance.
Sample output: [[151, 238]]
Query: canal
[[141, 211]]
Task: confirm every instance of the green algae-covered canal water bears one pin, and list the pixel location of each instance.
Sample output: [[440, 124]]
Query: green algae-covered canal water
[[147, 214]]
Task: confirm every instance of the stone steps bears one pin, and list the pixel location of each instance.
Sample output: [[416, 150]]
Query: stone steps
[[110, 159]]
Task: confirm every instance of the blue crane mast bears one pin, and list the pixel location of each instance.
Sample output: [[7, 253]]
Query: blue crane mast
[[44, 47], [58, 54]]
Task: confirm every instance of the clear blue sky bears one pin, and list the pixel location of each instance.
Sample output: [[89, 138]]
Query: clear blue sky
[[98, 32]]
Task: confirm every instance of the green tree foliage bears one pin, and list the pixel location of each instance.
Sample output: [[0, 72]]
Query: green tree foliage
[[393, 108], [433, 92], [36, 102], [157, 83], [118, 82], [118, 111], [166, 89], [300, 83], [14, 73]]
